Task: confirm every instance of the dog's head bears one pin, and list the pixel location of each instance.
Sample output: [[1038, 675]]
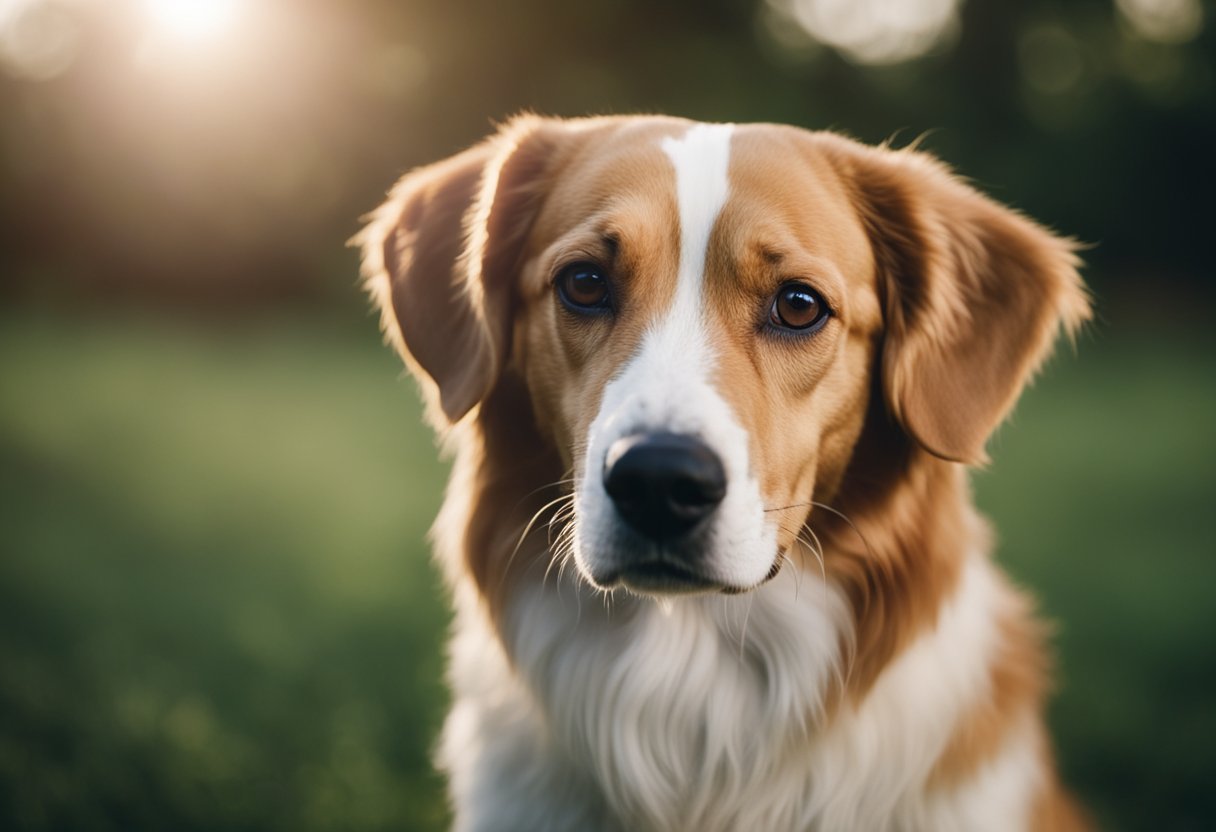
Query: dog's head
[[704, 317]]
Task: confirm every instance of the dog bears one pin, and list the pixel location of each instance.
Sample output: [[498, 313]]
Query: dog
[[712, 392]]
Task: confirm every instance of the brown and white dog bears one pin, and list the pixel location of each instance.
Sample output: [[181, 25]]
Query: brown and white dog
[[712, 391]]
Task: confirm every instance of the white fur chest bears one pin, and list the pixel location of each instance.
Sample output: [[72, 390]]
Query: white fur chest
[[706, 714], [681, 711]]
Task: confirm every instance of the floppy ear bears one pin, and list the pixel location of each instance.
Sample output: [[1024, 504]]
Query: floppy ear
[[975, 294], [440, 255]]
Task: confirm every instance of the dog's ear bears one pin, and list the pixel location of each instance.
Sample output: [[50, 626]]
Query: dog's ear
[[440, 255], [975, 294]]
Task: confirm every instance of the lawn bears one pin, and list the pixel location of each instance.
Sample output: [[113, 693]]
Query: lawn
[[217, 612]]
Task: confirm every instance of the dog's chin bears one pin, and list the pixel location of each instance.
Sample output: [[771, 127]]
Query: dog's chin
[[659, 577], [663, 578], [644, 567]]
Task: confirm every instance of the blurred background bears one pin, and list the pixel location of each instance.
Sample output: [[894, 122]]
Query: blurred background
[[216, 606]]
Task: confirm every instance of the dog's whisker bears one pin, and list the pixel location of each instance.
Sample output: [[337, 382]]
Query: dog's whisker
[[524, 535], [797, 574], [747, 611], [560, 551], [559, 483], [787, 508], [847, 520], [536, 516], [833, 510], [784, 558], [561, 519], [813, 544], [563, 555], [817, 550]]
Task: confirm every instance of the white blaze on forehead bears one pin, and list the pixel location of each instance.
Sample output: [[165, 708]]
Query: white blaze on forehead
[[701, 159], [668, 386], [678, 345]]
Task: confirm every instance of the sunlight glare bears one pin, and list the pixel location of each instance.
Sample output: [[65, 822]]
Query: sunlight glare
[[192, 19], [1163, 21], [875, 31]]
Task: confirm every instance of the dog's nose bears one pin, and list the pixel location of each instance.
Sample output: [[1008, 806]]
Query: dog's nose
[[663, 484]]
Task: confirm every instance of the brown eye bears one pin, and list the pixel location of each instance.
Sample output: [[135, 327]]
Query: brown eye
[[798, 307], [583, 288]]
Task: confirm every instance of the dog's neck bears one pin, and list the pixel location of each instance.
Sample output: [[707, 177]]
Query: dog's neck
[[894, 543]]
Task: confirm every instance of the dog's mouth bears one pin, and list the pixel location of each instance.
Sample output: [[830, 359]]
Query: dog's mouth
[[665, 577], [659, 576]]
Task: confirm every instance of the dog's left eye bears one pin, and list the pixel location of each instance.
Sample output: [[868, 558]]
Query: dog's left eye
[[798, 307], [583, 288]]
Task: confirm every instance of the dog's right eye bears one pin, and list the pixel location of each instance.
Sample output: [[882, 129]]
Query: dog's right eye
[[798, 308], [583, 288]]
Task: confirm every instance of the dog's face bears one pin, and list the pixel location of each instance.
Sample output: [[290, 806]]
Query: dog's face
[[699, 338], [701, 314]]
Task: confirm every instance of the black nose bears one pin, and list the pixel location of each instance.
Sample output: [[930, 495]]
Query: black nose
[[663, 484]]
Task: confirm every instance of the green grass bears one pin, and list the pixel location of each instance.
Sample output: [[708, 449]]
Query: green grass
[[1104, 494], [216, 609], [217, 612]]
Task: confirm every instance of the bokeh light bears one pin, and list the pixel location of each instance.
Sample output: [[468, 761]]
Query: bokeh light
[[38, 39], [1164, 21], [875, 31], [1051, 59]]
